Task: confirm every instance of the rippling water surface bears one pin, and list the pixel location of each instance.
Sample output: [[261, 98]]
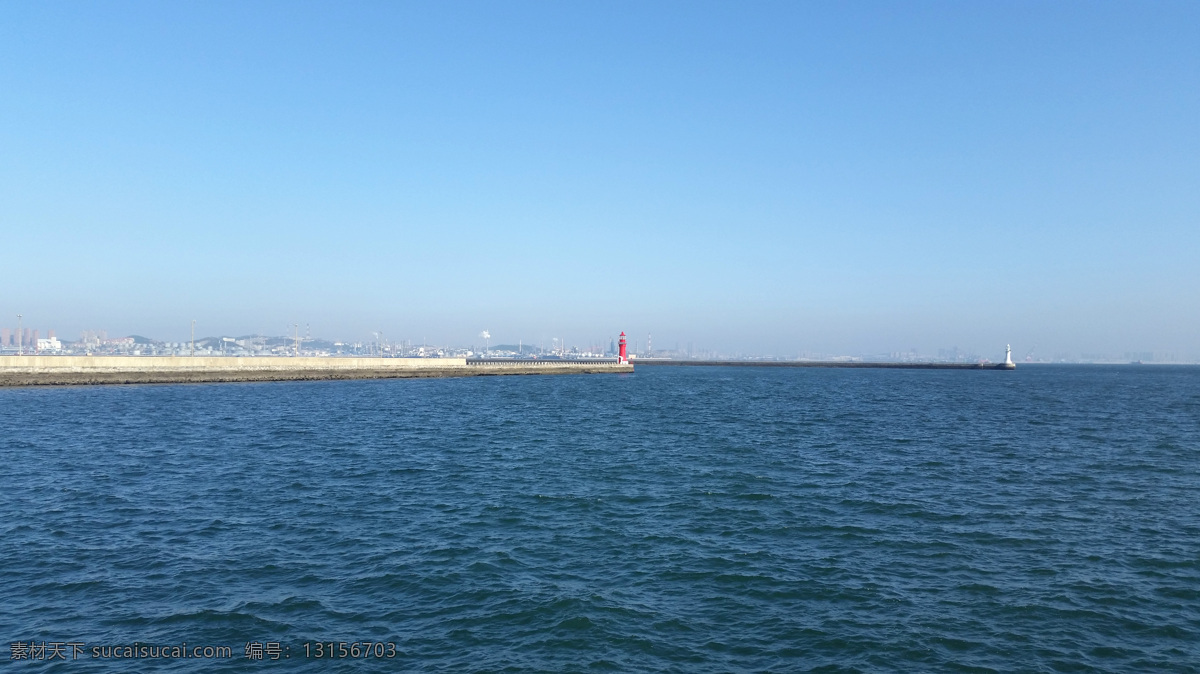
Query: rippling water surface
[[676, 519]]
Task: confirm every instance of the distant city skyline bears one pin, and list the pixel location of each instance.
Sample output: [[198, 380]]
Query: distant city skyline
[[778, 178], [29, 340], [664, 341]]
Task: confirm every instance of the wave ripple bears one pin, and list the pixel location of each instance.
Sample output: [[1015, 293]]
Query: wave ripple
[[676, 519]]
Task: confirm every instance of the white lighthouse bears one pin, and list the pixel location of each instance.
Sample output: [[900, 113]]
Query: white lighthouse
[[1008, 364]]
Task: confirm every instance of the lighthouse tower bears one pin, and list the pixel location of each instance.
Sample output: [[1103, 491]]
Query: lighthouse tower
[[621, 356]]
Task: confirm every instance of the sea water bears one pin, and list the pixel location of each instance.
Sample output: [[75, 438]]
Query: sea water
[[672, 520]]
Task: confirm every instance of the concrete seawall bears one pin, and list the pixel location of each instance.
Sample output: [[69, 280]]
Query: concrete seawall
[[68, 370], [825, 363]]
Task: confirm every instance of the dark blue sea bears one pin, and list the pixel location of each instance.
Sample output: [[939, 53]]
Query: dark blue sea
[[673, 520]]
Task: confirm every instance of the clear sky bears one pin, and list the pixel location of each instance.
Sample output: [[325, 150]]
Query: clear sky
[[838, 177]]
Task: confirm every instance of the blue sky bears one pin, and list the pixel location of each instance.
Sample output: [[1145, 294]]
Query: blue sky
[[762, 177]]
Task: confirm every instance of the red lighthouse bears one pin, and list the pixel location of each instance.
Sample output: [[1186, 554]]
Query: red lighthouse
[[621, 357]]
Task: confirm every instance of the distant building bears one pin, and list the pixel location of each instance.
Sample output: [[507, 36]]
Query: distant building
[[51, 344]]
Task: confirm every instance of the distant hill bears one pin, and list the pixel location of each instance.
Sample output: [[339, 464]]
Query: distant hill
[[216, 342], [305, 342], [517, 348]]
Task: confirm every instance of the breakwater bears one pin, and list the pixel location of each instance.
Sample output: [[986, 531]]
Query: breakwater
[[827, 363], [70, 370]]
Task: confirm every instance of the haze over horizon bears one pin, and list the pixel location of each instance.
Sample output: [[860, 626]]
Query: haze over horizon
[[769, 178]]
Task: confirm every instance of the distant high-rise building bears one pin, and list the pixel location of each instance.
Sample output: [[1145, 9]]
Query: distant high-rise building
[[5, 337], [50, 334]]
